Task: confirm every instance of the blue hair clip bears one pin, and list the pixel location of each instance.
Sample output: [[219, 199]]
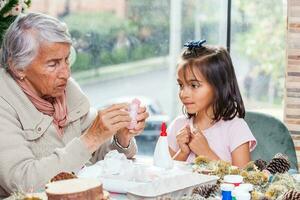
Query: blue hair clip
[[194, 44]]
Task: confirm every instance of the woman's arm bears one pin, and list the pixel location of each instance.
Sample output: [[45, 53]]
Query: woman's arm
[[20, 169], [241, 155]]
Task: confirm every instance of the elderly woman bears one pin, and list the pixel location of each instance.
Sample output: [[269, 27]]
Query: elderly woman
[[46, 123]]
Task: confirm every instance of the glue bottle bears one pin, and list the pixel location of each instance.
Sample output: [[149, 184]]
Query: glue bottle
[[162, 157]]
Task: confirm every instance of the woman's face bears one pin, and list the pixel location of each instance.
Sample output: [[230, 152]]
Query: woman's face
[[48, 73], [195, 92]]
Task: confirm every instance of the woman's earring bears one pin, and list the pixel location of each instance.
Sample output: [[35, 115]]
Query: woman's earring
[[22, 78]]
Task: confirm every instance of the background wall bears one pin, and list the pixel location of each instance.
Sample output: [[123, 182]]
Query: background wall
[[292, 81]]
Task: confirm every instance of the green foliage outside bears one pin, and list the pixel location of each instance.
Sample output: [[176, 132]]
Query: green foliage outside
[[208, 16], [260, 38], [104, 39]]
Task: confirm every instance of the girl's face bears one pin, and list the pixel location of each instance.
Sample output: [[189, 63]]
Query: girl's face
[[195, 92]]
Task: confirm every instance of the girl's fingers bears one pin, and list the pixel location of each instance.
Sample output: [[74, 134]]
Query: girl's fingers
[[188, 129], [193, 135], [180, 134], [183, 141]]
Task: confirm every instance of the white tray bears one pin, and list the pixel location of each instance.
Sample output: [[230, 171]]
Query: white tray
[[173, 187], [156, 181]]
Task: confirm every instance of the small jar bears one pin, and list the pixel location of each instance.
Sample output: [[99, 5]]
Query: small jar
[[242, 195], [248, 187], [226, 190]]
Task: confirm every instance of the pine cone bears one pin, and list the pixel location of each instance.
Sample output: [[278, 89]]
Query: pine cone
[[260, 164], [281, 155], [63, 176], [291, 195], [278, 165], [206, 190], [193, 197]]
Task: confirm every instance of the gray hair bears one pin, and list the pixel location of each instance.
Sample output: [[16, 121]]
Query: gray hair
[[25, 35]]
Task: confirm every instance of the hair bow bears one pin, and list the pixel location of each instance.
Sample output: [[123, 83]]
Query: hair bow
[[194, 44]]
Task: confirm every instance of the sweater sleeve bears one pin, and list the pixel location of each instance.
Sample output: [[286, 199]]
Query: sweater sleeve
[[20, 170]]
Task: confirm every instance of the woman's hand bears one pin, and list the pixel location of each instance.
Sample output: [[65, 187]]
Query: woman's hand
[[124, 135], [183, 139], [106, 124], [199, 145]]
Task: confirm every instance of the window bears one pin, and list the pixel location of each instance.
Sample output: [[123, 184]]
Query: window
[[258, 52], [123, 50]]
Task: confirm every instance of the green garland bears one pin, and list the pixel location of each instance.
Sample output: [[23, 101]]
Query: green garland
[[5, 21], [7, 8]]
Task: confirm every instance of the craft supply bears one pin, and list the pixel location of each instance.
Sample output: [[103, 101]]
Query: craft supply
[[233, 179], [133, 111], [226, 190], [162, 157]]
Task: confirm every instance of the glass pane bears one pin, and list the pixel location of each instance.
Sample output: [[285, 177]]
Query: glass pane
[[122, 49], [258, 52]]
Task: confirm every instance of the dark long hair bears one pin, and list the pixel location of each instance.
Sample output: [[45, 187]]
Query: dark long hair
[[216, 66]]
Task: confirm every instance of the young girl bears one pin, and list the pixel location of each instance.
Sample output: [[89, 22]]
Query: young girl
[[213, 124]]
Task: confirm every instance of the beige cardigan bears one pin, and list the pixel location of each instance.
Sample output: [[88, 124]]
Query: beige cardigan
[[31, 152]]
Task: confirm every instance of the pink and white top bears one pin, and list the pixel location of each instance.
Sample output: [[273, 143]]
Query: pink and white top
[[223, 137]]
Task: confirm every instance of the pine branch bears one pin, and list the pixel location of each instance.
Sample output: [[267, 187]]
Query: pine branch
[[28, 3], [7, 8], [4, 24], [6, 21]]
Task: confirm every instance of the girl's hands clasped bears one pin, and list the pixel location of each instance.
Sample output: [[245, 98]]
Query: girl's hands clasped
[[183, 139], [199, 146], [198, 143]]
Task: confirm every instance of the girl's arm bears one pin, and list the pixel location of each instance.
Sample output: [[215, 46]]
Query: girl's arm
[[179, 155], [241, 155]]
